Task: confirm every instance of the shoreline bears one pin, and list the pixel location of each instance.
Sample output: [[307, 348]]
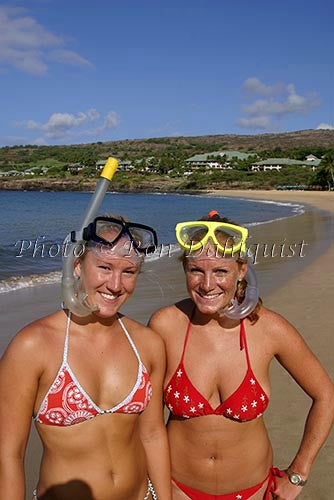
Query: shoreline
[[309, 281], [156, 184]]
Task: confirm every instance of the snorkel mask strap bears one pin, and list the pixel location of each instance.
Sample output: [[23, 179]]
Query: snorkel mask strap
[[74, 241]]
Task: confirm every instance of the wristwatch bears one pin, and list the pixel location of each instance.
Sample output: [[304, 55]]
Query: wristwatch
[[295, 478]]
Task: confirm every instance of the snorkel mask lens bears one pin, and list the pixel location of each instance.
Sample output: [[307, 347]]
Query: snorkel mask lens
[[144, 238], [108, 231], [228, 239]]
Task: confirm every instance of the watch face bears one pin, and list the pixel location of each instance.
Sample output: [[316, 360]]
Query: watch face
[[295, 479]]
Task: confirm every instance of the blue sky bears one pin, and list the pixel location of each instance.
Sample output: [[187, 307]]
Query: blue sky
[[80, 71]]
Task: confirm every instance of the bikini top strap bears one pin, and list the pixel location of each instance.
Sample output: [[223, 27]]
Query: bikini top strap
[[187, 333], [243, 341], [129, 339], [65, 354]]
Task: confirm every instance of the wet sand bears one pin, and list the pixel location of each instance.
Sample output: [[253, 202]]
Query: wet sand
[[300, 287]]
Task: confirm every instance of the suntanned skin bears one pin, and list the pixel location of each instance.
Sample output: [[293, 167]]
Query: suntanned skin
[[111, 455], [213, 454]]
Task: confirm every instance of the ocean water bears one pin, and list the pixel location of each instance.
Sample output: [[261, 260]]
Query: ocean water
[[34, 224]]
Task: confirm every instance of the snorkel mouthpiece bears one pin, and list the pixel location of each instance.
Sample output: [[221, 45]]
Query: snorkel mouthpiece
[[74, 300]]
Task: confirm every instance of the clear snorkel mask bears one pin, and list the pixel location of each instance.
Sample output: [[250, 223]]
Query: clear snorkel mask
[[142, 239], [229, 240]]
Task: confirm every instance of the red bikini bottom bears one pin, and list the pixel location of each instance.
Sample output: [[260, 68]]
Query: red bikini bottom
[[238, 495]]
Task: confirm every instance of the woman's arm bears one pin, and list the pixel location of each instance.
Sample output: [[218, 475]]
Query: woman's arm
[[295, 356], [152, 428], [19, 374]]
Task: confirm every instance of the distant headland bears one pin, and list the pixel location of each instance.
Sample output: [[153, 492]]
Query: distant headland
[[301, 159]]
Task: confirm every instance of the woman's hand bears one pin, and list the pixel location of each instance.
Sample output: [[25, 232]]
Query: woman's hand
[[285, 490]]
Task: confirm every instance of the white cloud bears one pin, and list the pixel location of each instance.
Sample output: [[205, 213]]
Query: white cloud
[[279, 100], [67, 126], [40, 141], [27, 45], [255, 85], [29, 124], [60, 123], [325, 126], [262, 122], [293, 103], [18, 30], [69, 57], [29, 61], [111, 121]]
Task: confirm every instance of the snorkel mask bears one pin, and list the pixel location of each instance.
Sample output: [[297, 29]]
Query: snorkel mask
[[142, 239], [229, 240], [74, 245]]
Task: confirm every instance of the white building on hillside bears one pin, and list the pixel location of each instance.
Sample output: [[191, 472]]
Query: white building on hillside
[[124, 165]]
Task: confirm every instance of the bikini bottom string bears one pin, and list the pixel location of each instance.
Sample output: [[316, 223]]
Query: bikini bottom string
[[272, 483]]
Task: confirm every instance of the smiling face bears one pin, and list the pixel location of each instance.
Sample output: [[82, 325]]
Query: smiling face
[[212, 282], [108, 276]]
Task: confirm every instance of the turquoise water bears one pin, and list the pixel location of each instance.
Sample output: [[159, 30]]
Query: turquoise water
[[34, 224]]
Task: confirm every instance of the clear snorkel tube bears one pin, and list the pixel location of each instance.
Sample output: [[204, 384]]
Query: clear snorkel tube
[[240, 311], [74, 246]]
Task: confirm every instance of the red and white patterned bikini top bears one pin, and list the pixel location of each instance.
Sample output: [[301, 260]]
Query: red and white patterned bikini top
[[67, 403], [248, 402]]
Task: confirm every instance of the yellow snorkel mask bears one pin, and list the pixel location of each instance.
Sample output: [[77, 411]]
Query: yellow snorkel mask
[[228, 239]]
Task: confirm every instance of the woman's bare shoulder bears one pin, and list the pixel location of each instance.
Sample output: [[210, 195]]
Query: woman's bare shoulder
[[166, 318], [145, 338], [268, 317], [137, 329], [277, 329], [35, 334], [32, 345]]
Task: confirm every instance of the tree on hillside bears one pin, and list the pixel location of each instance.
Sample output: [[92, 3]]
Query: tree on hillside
[[246, 163], [325, 174], [328, 164]]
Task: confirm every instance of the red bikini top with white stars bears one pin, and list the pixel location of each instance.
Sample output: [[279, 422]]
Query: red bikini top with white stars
[[67, 403], [248, 402]]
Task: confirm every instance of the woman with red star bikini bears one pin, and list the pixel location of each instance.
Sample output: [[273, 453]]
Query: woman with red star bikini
[[220, 342]]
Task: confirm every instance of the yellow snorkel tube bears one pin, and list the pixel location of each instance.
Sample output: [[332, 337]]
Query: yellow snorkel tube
[[74, 245]]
